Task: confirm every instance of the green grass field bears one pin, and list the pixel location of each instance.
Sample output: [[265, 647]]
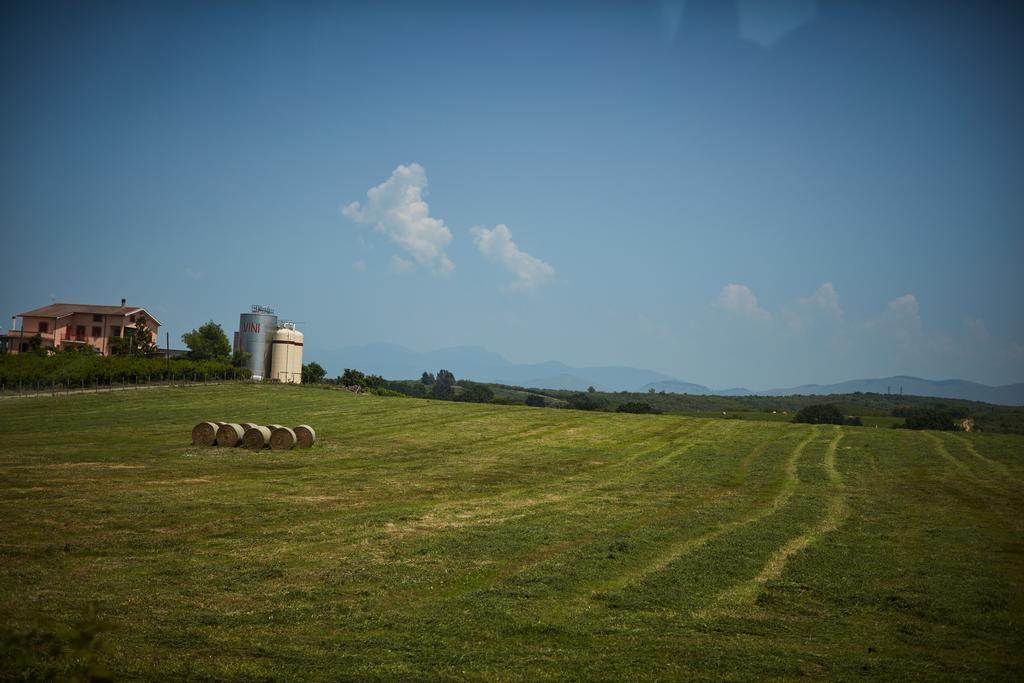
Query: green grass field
[[427, 540]]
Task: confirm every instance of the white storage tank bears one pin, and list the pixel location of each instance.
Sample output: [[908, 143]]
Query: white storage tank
[[295, 359], [286, 355]]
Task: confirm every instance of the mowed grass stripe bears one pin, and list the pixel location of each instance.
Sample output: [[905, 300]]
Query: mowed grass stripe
[[736, 548], [743, 595], [463, 535], [994, 465], [518, 496], [648, 580], [688, 543], [461, 530], [626, 529], [1007, 493]]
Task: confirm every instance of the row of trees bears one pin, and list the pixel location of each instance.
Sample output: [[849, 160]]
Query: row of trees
[[74, 367], [950, 419], [443, 386]]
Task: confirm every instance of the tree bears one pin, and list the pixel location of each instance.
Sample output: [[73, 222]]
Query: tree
[[580, 401], [475, 393], [820, 414], [143, 338], [208, 342], [535, 401], [444, 386], [135, 341], [352, 378], [591, 390], [312, 373], [414, 389], [427, 378]]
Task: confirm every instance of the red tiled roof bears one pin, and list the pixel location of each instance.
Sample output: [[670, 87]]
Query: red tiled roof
[[62, 310]]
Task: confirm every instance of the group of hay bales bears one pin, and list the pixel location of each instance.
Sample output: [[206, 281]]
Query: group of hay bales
[[253, 436]]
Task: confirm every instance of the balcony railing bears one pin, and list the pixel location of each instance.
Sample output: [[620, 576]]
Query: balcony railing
[[28, 334]]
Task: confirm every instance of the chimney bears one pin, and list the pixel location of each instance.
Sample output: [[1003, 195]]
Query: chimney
[[123, 302]]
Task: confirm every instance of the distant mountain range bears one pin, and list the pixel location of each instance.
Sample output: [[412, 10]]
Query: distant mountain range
[[476, 363], [1009, 394]]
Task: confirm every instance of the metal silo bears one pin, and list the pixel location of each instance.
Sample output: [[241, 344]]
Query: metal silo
[[255, 334]]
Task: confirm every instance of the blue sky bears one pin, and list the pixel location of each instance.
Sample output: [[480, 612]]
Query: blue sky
[[753, 193]]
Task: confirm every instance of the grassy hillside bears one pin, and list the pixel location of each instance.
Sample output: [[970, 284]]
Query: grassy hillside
[[874, 409], [428, 540]]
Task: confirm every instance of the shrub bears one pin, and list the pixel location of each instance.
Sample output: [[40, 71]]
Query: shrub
[[535, 401], [637, 407], [579, 401], [381, 391], [820, 414], [475, 393], [930, 418]]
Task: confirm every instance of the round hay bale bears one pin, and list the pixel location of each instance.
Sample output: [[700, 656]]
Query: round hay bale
[[256, 438], [282, 439], [219, 424], [204, 434], [305, 435], [273, 427], [230, 435], [247, 425]]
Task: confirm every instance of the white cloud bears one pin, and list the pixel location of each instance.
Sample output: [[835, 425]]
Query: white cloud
[[807, 312], [740, 301], [396, 209], [826, 299], [904, 307], [899, 327], [401, 265], [497, 245], [977, 330]]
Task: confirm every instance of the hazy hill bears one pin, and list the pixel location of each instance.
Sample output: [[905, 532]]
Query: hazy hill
[[473, 362], [1010, 394]]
